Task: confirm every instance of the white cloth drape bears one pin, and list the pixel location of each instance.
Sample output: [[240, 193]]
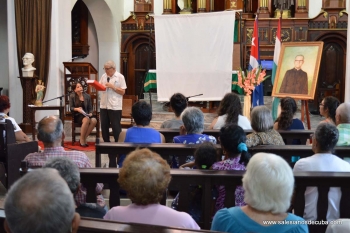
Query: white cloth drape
[[194, 55]]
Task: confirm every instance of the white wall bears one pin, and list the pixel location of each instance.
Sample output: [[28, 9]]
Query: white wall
[[15, 89], [129, 6], [314, 8], [107, 15], [61, 47], [4, 61]]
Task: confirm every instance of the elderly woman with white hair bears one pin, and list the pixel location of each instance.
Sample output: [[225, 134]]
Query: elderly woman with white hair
[[268, 185], [191, 131], [262, 124]]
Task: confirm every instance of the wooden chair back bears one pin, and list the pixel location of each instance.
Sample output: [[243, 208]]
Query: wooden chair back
[[128, 101]]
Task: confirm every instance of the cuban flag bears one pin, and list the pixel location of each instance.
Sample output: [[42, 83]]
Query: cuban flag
[[276, 57], [254, 62]]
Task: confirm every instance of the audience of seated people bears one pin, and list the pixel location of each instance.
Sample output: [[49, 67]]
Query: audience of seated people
[[50, 132], [268, 184], [191, 132], [323, 142], [40, 202], [69, 171], [81, 106], [205, 156], [145, 176], [342, 120], [142, 132], [178, 103], [328, 107], [262, 124], [230, 111], [232, 140], [4, 110]]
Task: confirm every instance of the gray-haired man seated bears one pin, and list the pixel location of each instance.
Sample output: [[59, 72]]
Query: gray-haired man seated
[[40, 202], [69, 171]]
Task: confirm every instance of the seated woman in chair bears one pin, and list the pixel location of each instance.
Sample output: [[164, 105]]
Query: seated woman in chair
[[81, 107]]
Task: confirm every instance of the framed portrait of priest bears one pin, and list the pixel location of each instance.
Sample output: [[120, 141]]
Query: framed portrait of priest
[[297, 70]]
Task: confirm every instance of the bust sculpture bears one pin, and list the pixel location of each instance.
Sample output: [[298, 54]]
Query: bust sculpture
[[28, 69]]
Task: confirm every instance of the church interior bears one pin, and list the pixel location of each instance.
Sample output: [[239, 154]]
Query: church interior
[[71, 41]]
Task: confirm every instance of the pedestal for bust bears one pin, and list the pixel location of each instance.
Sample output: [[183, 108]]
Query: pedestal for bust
[[28, 84]]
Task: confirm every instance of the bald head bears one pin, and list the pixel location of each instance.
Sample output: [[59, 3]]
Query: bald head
[[50, 130], [342, 114], [40, 202]]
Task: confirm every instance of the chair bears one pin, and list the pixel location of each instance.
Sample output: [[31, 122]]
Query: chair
[[77, 125], [128, 101]]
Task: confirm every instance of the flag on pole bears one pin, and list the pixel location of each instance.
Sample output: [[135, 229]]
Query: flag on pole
[[254, 62], [276, 56]]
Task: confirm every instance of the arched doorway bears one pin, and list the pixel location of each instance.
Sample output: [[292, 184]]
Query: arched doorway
[[138, 54]]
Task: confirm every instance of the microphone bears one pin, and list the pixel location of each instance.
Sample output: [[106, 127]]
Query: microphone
[[108, 78], [187, 98]]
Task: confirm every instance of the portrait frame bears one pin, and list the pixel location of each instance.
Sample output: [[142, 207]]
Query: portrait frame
[[311, 53]]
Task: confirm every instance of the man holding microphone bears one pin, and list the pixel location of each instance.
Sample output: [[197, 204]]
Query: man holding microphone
[[111, 100]]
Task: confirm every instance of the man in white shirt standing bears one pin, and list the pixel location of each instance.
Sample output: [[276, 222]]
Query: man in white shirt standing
[[323, 143], [111, 100]]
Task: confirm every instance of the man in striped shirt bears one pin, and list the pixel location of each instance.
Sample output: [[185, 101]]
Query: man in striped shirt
[[50, 132]]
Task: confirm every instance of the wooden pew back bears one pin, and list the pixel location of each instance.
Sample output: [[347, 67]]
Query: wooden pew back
[[287, 135], [181, 179], [182, 150], [91, 225]]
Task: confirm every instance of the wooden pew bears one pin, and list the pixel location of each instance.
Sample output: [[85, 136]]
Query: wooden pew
[[287, 135], [182, 150], [91, 225], [12, 153], [182, 178]]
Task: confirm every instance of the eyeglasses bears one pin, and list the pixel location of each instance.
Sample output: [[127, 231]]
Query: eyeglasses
[[107, 68]]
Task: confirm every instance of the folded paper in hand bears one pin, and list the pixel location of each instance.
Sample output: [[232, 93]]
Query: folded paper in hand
[[98, 86]]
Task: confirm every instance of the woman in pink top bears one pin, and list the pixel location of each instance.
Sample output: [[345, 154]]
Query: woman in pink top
[[145, 177]]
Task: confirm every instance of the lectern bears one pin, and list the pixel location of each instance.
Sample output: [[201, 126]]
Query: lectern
[[81, 72]]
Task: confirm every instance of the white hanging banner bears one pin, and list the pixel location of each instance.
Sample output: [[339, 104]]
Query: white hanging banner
[[194, 55]]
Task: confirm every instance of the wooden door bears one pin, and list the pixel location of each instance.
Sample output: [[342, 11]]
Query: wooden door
[[143, 56], [331, 77]]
